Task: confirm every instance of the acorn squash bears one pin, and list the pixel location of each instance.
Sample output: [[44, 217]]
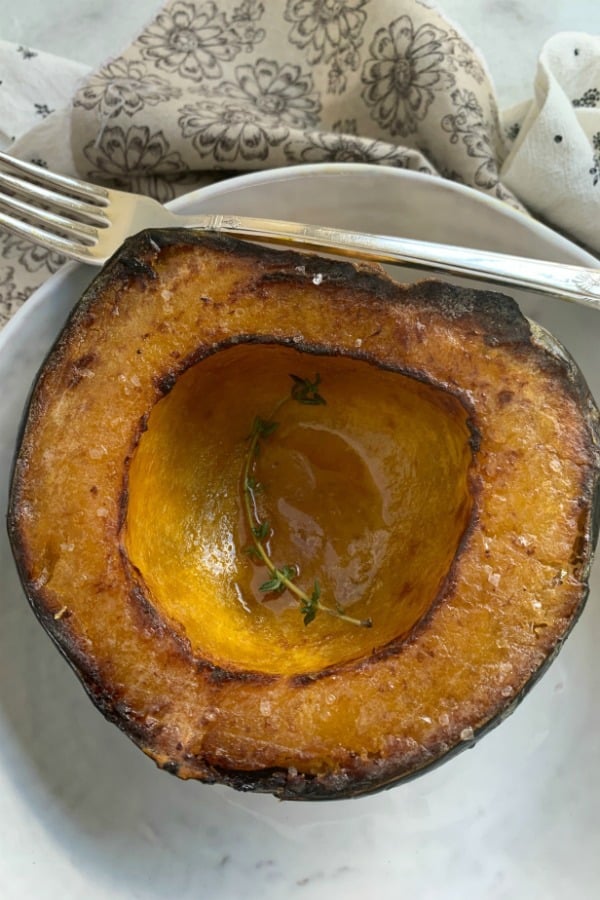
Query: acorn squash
[[444, 493]]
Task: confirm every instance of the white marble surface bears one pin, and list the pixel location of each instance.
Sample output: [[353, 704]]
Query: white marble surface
[[509, 33]]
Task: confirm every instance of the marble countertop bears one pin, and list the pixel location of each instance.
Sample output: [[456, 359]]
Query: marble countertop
[[509, 33]]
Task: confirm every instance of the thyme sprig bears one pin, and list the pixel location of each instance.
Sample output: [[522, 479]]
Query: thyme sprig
[[282, 577]]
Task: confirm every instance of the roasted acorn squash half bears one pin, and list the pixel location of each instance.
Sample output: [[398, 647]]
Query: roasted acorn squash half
[[445, 492]]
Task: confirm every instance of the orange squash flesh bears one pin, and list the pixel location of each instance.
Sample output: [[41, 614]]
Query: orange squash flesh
[[458, 441], [368, 496]]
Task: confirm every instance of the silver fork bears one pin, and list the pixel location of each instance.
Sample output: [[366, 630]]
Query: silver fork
[[88, 223]]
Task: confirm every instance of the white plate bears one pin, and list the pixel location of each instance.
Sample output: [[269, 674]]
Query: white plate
[[85, 814]]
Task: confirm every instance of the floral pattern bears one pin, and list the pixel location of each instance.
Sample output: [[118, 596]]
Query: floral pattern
[[513, 131], [323, 146], [595, 170], [590, 99], [124, 87], [137, 160], [42, 110], [328, 31], [461, 57], [23, 267], [404, 70], [279, 94], [194, 39], [11, 296], [229, 132], [246, 117], [31, 257], [468, 125]]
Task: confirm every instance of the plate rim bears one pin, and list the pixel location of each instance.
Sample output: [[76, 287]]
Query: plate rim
[[265, 176]]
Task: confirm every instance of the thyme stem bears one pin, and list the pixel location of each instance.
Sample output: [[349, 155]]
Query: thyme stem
[[303, 391]]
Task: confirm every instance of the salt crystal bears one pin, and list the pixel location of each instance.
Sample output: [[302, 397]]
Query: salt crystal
[[467, 734], [492, 577], [26, 511], [265, 707], [317, 279], [102, 512], [41, 580], [444, 719]]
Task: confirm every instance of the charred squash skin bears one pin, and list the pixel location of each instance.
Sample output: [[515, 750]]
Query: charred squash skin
[[524, 439]]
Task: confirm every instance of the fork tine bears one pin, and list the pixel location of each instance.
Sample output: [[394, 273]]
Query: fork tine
[[30, 191], [91, 192], [77, 231], [58, 244]]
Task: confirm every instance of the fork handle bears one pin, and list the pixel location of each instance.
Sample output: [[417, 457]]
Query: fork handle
[[568, 282]]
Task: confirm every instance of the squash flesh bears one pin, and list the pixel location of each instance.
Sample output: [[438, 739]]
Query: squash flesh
[[369, 721], [368, 494]]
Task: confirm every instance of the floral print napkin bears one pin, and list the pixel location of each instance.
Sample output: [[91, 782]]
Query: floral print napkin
[[241, 85], [209, 89]]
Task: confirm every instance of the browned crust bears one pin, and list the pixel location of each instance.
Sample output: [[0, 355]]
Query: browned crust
[[500, 323]]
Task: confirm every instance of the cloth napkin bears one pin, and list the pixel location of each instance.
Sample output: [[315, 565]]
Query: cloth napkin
[[209, 89]]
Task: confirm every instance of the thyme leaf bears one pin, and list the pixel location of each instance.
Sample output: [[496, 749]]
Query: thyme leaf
[[279, 580], [252, 552], [263, 427], [261, 531], [306, 391], [252, 484], [309, 607]]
